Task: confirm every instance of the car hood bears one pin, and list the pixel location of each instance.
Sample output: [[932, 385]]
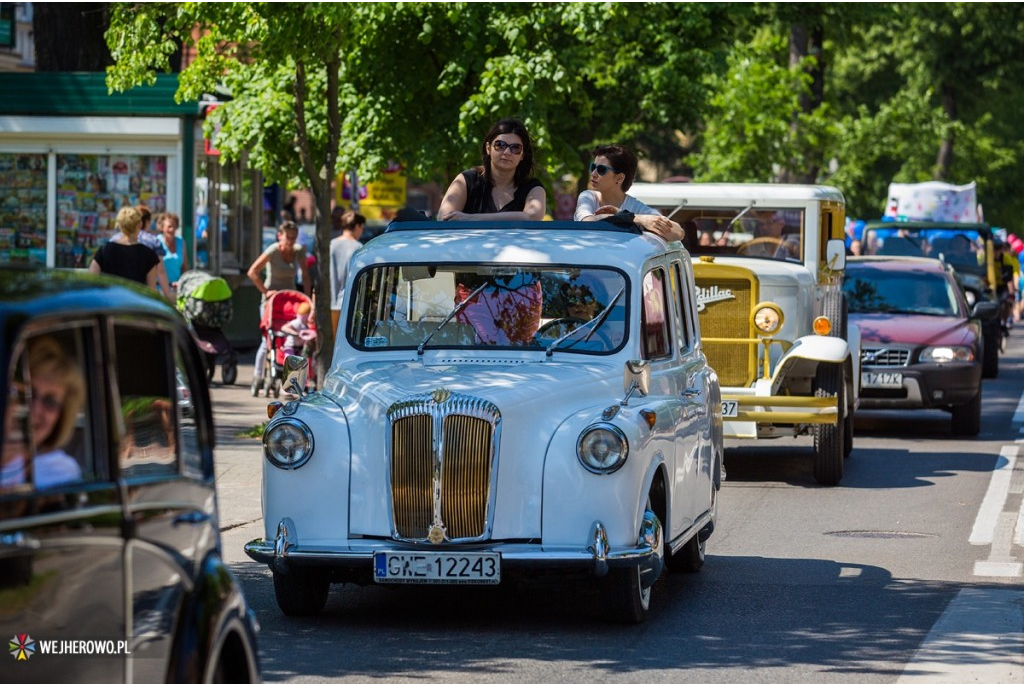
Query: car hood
[[534, 400], [507, 385], [914, 329]]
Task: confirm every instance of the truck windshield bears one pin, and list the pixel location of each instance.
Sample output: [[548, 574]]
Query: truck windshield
[[420, 306], [759, 232]]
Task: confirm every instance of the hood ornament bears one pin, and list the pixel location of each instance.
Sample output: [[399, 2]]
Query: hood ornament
[[441, 395]]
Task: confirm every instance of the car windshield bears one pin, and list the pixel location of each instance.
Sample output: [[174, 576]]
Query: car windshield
[[489, 306], [744, 231], [963, 249], [871, 291]]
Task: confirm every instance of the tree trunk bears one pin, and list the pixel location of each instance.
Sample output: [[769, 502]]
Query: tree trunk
[[804, 43], [70, 36], [944, 160]]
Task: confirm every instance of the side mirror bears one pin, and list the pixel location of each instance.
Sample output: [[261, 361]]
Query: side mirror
[[985, 310], [835, 255], [296, 371], [637, 378]]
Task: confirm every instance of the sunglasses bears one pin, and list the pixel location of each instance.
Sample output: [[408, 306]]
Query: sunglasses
[[601, 169], [514, 148], [49, 402]]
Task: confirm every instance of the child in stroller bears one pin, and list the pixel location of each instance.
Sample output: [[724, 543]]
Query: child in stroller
[[287, 328]]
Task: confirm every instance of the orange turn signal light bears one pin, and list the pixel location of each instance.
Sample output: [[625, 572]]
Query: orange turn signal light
[[822, 326], [273, 408], [649, 416]]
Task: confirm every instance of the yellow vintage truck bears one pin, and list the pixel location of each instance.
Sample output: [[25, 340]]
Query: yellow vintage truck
[[768, 264]]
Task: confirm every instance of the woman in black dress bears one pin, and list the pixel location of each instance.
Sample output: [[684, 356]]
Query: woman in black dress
[[126, 257], [503, 187]]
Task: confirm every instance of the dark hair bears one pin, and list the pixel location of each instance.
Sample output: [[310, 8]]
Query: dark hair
[[516, 127], [144, 212], [622, 160], [287, 226], [350, 219]]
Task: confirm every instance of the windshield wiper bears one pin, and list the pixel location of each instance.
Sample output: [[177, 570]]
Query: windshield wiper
[[458, 308], [596, 321]]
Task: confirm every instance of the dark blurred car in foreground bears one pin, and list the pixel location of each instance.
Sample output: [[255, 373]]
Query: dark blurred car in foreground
[[110, 554], [921, 343]]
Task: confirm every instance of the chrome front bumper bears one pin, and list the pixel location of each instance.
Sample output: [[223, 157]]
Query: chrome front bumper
[[285, 552]]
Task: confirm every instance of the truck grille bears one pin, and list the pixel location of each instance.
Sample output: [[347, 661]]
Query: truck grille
[[883, 356], [726, 295], [443, 450]]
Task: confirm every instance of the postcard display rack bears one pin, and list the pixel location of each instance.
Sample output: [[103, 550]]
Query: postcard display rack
[[90, 191], [23, 209]]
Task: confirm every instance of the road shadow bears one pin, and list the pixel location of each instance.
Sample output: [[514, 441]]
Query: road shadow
[[739, 613]]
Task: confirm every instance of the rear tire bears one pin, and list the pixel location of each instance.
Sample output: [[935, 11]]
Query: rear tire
[[229, 372], [967, 418], [829, 439], [299, 595]]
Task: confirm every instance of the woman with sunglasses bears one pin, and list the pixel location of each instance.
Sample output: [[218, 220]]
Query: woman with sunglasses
[[39, 427], [611, 174], [503, 187]]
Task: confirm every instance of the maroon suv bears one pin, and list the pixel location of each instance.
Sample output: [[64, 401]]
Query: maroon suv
[[921, 343]]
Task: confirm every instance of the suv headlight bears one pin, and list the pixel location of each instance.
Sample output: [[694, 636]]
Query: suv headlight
[[288, 444], [602, 448], [948, 353]]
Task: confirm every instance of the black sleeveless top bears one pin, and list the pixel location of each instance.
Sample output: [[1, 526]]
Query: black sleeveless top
[[480, 201]]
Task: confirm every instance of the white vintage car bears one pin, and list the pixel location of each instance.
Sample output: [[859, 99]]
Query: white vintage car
[[505, 398]]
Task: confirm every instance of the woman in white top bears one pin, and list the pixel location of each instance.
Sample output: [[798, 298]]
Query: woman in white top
[[611, 174], [58, 395]]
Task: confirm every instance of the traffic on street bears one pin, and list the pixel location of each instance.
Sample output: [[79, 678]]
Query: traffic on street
[[909, 571]]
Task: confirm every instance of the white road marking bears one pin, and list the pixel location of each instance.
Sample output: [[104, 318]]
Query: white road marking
[[988, 513], [976, 640], [1018, 416]]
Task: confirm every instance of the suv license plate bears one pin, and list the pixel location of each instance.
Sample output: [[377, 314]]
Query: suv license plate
[[437, 568], [889, 379]]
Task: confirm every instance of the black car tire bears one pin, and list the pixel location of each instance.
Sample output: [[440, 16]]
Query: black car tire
[[629, 602], [967, 417], [829, 441], [300, 595], [990, 349], [229, 372]]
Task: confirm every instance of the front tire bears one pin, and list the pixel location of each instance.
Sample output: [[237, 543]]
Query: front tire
[[967, 418], [628, 601], [299, 595], [829, 439]]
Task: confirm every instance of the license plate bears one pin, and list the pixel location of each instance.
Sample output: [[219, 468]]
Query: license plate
[[730, 409], [437, 568], [887, 379]]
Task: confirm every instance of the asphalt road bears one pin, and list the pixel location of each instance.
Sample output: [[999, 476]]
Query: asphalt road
[[909, 571]]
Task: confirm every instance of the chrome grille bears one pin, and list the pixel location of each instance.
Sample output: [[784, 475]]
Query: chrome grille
[[442, 455], [884, 356], [726, 320]]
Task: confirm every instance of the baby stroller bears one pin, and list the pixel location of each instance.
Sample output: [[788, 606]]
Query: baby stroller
[[205, 302], [281, 308]]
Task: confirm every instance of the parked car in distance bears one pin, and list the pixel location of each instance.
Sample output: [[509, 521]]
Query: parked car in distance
[[506, 399], [108, 513], [921, 343]]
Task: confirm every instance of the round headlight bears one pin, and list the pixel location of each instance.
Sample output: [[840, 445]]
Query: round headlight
[[288, 444], [602, 448], [767, 319]]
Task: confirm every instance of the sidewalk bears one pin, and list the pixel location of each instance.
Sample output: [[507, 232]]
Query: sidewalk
[[238, 460]]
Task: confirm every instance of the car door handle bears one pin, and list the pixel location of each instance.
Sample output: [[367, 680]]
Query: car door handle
[[192, 518]]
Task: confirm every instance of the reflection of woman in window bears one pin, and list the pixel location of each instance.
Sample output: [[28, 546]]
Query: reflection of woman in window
[[58, 394]]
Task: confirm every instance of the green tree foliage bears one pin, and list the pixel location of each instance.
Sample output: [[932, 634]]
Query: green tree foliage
[[911, 92]]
